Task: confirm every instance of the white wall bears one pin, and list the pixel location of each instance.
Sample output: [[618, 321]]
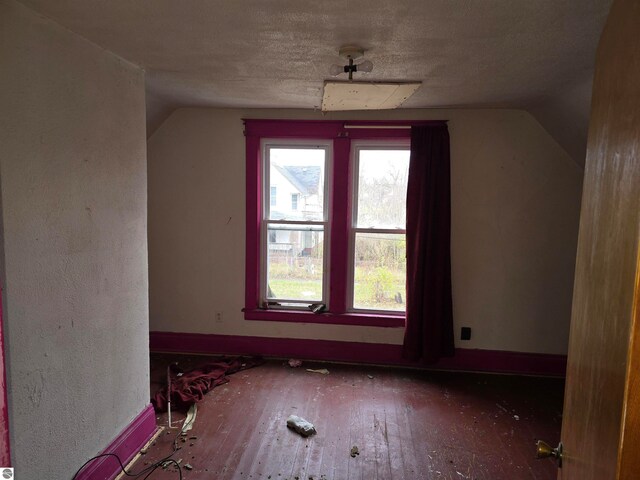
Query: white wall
[[73, 179], [515, 202], [565, 115]]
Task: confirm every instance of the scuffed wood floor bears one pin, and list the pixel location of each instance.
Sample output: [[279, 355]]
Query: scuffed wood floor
[[406, 424]]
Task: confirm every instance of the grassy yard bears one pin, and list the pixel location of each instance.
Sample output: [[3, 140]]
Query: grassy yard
[[371, 292], [296, 289]]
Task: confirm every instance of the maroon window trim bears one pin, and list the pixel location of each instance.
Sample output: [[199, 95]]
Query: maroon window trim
[[340, 215]]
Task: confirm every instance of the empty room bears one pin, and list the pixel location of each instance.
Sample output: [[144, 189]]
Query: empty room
[[324, 240]]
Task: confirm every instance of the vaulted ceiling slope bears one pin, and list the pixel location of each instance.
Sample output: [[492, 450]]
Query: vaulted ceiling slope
[[277, 53]]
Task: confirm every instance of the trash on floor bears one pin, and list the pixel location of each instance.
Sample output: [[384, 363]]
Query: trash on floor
[[301, 426], [190, 420], [323, 371], [188, 466], [517, 417], [295, 363], [354, 451], [370, 376]]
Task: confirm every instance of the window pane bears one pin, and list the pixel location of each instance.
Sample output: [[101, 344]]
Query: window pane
[[380, 271], [382, 188], [299, 172], [295, 263]]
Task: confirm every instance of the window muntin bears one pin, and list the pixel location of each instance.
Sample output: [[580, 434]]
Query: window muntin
[[378, 240], [294, 272]]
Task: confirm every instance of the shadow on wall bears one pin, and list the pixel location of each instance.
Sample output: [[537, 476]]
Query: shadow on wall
[[565, 116]]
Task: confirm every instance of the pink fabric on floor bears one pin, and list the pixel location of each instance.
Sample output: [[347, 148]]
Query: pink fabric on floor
[[192, 386]]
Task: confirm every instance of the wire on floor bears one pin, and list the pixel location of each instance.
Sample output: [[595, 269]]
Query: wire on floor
[[148, 470]]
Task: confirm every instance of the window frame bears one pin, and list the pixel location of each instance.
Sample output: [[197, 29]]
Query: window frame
[[342, 134], [356, 146], [265, 145]]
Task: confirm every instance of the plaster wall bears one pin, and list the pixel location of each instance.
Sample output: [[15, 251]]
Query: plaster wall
[[515, 207], [565, 115], [72, 130]]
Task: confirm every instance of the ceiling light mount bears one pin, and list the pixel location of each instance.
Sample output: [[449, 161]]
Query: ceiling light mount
[[351, 53]]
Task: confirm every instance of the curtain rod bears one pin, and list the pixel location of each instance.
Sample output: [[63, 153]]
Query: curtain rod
[[393, 124], [378, 126]]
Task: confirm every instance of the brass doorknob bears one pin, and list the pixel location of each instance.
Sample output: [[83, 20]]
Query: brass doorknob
[[544, 450]]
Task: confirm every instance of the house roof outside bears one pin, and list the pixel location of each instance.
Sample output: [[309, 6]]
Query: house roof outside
[[305, 179]]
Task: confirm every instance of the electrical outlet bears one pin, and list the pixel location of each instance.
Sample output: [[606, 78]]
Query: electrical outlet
[[218, 317], [465, 333]]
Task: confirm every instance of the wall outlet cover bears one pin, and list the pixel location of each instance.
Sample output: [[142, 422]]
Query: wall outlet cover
[[465, 333]]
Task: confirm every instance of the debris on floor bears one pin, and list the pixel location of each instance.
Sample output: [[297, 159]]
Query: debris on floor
[[370, 376], [322, 371], [295, 363], [190, 420], [193, 385], [188, 466], [517, 417], [354, 451], [301, 426]]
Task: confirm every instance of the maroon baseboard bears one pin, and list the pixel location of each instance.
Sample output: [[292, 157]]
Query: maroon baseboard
[[496, 361], [126, 446]]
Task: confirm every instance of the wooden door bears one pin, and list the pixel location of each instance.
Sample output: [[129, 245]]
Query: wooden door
[[600, 421]]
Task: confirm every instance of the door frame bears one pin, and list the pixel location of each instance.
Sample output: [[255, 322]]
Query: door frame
[[5, 449]]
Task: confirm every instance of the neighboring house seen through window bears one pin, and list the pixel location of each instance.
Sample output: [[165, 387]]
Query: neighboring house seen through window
[[273, 198]]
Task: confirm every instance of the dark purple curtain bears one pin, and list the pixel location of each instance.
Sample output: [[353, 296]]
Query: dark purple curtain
[[429, 331]]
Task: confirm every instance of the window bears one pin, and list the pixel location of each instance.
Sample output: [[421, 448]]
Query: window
[[293, 270], [273, 198], [340, 242], [378, 235]]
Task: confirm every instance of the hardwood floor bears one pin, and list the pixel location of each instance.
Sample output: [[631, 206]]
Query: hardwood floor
[[406, 424]]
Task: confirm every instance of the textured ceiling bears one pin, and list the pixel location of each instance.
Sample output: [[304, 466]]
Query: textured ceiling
[[277, 53]]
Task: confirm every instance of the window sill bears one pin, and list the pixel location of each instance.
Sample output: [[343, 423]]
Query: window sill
[[359, 319]]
